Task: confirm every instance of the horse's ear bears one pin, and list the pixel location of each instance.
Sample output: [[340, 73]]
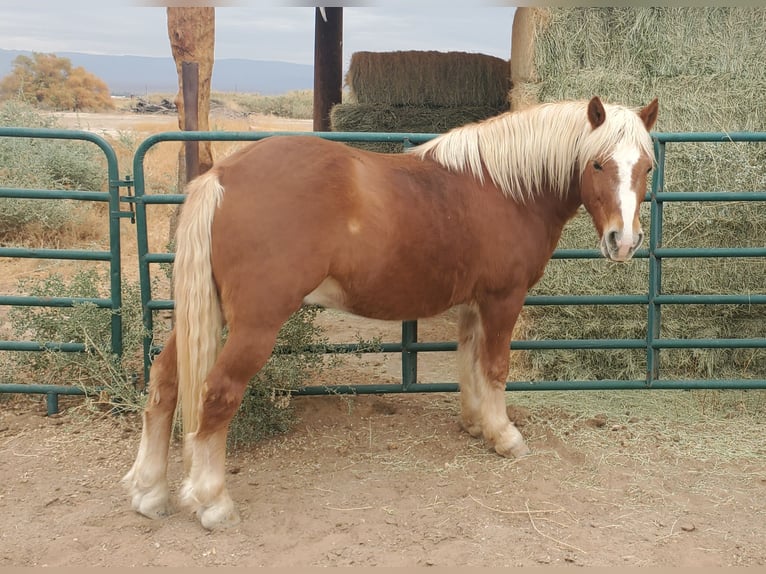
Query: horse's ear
[[596, 112], [649, 114]]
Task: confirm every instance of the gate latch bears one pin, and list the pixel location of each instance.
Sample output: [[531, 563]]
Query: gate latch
[[130, 199]]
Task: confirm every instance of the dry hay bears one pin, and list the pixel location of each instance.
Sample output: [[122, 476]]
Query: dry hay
[[705, 66], [415, 78], [411, 119]]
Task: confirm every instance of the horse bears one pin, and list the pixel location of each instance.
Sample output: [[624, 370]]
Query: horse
[[467, 219]]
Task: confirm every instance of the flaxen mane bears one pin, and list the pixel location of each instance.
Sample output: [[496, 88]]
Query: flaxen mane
[[523, 151]]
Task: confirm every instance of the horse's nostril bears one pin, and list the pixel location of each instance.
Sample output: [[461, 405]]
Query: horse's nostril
[[639, 240], [612, 239]]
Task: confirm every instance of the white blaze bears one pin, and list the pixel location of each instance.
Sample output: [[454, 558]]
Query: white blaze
[[626, 157]]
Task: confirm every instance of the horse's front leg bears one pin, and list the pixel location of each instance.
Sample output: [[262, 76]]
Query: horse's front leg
[[147, 480], [483, 360]]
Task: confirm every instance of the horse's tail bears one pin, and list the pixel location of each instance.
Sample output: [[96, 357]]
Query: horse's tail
[[198, 315]]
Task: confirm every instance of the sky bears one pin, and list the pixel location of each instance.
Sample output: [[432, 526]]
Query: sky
[[257, 30]]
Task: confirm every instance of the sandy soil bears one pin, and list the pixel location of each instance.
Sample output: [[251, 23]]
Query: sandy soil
[[392, 480]]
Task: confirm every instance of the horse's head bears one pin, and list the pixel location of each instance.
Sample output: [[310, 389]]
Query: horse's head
[[613, 183]]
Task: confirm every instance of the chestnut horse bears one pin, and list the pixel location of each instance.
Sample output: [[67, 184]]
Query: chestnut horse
[[470, 218]]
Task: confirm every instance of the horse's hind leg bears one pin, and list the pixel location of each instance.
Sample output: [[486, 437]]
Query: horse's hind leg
[[483, 357], [147, 479], [246, 350]]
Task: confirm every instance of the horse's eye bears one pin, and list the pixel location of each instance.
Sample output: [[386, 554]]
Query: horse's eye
[[597, 166]]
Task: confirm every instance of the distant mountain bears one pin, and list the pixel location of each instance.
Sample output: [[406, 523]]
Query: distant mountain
[[139, 75]]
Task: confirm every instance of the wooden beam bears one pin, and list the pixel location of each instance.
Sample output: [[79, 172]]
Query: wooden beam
[[328, 65]]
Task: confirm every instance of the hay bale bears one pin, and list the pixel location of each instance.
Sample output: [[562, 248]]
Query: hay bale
[[414, 119], [431, 78], [650, 41], [639, 44], [707, 72]]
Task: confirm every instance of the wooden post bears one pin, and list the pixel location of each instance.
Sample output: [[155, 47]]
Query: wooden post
[[190, 85], [328, 65]]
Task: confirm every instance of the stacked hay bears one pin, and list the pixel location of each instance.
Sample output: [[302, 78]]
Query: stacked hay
[[706, 67], [420, 92]]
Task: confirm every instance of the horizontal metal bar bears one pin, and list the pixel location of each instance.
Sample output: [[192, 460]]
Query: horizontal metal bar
[[351, 137], [679, 384], [41, 389], [160, 257], [667, 252], [79, 195], [587, 300], [710, 252], [526, 345], [751, 343], [710, 137], [160, 304], [35, 346], [572, 344], [661, 384], [74, 254], [29, 301], [716, 196], [372, 389], [745, 299], [451, 346]]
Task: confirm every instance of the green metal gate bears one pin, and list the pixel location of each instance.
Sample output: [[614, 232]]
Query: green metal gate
[[112, 257], [408, 346]]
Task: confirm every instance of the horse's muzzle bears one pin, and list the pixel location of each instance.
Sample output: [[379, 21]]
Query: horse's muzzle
[[620, 247]]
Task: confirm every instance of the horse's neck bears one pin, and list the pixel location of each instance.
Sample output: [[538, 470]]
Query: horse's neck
[[559, 208], [556, 210]]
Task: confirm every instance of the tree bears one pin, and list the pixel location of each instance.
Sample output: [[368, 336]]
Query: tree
[[50, 82]]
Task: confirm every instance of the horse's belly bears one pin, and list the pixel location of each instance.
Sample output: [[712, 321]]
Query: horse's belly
[[383, 302]]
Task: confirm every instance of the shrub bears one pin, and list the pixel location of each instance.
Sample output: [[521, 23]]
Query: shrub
[[97, 369], [43, 164]]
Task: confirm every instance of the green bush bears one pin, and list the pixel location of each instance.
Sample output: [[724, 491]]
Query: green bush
[[43, 164], [96, 369]]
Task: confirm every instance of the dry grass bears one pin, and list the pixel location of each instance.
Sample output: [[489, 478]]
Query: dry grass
[[699, 422]]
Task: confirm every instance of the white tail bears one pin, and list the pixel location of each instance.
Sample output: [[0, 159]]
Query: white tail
[[198, 315]]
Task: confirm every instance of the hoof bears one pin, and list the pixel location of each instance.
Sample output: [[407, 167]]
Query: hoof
[[219, 517], [510, 443], [152, 502], [517, 449], [152, 505], [218, 514]]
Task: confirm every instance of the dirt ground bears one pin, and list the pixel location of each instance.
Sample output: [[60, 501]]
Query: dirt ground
[[658, 478], [392, 481]]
